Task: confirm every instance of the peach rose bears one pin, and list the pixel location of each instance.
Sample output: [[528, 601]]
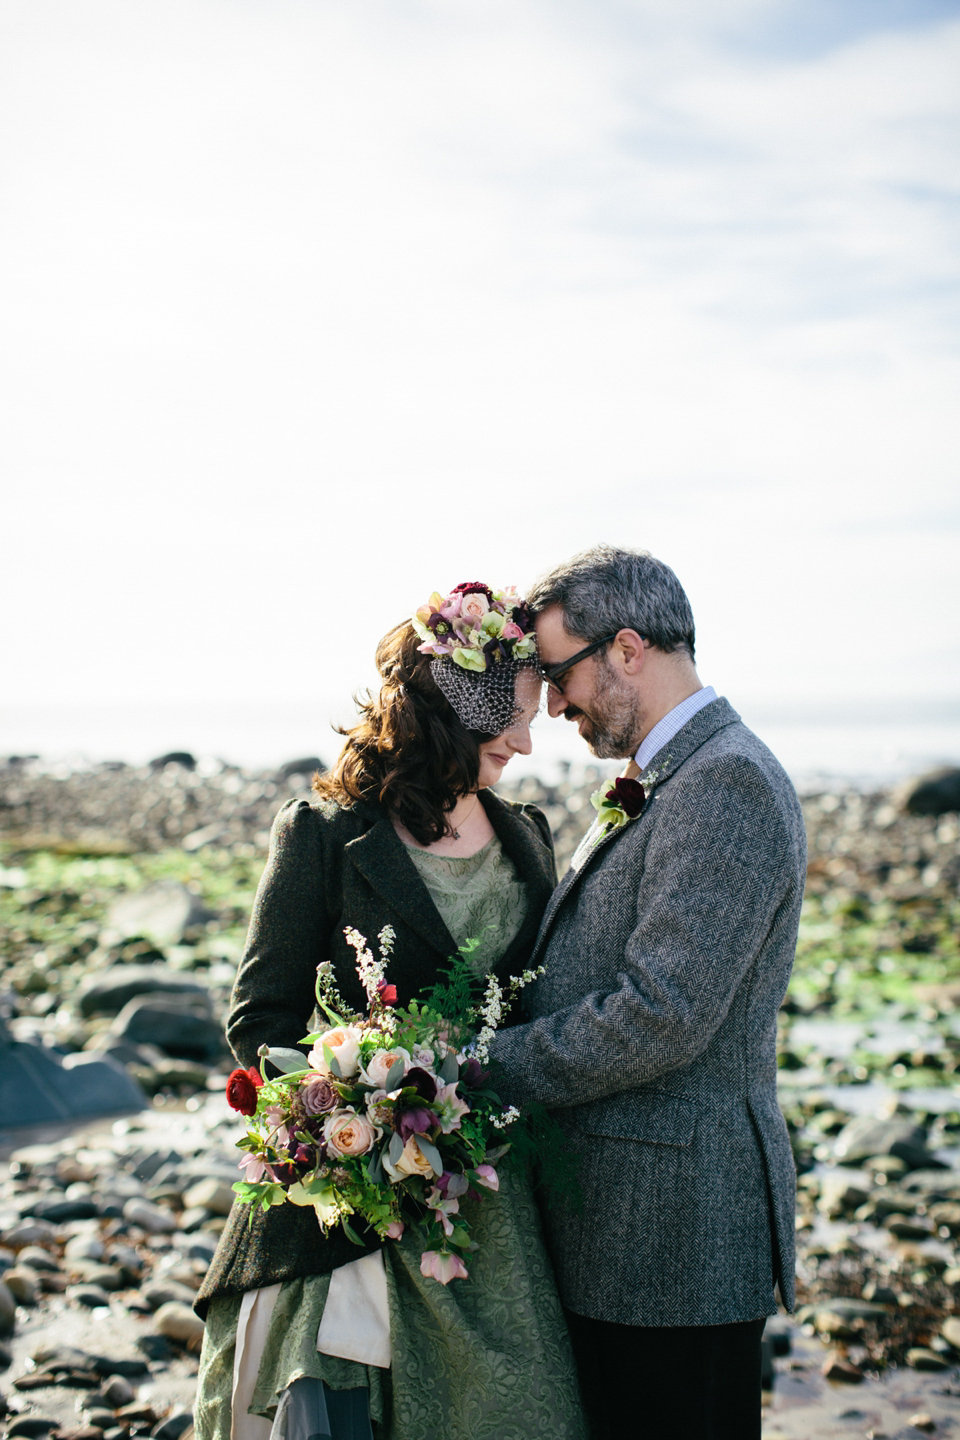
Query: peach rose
[[348, 1133], [344, 1044]]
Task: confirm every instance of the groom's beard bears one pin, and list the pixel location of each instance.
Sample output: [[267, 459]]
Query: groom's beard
[[612, 721]]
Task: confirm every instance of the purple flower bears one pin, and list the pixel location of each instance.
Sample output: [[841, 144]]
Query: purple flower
[[422, 1081], [418, 1120], [473, 1074], [318, 1096]]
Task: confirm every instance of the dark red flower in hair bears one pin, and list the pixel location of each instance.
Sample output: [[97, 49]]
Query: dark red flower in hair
[[628, 794], [473, 587], [242, 1087]]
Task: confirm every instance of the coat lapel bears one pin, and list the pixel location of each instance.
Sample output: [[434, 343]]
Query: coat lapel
[[534, 865], [713, 717], [382, 860]]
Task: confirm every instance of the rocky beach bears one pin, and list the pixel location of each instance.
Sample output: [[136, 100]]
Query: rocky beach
[[124, 899]]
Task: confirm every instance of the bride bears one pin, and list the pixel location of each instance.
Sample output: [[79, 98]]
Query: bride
[[307, 1336]]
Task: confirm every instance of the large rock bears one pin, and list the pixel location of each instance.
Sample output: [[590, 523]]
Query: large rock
[[933, 794], [162, 912], [181, 1024], [307, 766], [867, 1137], [37, 1085], [107, 992]]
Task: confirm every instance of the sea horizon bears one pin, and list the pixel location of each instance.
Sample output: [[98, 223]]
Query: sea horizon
[[866, 744]]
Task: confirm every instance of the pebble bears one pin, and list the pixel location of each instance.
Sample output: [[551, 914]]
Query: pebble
[[153, 1218], [22, 1284], [91, 1296], [210, 1194], [30, 1425], [174, 1426], [165, 1292], [118, 1391], [176, 1321], [29, 1232], [8, 1310], [97, 1417], [921, 1358], [84, 1247], [837, 1367]]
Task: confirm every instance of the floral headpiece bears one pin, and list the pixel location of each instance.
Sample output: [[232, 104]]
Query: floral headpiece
[[476, 627], [480, 640]]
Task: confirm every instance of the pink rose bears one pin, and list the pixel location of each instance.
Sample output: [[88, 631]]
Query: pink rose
[[443, 1267], [511, 632], [379, 1065], [474, 607], [343, 1042], [347, 1133]]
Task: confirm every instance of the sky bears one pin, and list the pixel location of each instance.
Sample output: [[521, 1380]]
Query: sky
[[312, 307]]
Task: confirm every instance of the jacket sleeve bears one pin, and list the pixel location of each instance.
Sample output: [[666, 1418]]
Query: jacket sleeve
[[717, 868], [273, 996]]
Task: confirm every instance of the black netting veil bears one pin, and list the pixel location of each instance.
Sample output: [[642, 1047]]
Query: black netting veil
[[484, 700]]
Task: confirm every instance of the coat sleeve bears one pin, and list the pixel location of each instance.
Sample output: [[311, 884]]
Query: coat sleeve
[[717, 868], [273, 996]]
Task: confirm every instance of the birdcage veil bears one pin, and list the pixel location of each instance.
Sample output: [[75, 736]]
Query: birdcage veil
[[482, 641]]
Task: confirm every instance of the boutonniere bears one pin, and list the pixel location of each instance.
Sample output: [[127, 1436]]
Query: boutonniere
[[624, 800]]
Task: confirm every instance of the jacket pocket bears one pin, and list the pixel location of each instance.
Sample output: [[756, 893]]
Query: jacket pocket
[[651, 1116]]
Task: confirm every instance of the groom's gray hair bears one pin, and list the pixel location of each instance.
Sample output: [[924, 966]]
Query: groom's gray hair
[[606, 589]]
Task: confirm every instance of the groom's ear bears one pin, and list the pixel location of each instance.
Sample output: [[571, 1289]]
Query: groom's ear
[[628, 647]]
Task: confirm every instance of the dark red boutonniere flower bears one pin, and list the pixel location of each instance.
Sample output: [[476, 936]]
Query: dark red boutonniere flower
[[628, 794], [242, 1087]]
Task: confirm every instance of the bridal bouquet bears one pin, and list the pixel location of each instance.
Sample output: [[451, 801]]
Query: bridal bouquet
[[388, 1117]]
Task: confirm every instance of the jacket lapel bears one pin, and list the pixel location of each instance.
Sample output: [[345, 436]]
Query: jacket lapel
[[382, 860], [713, 717], [534, 865]]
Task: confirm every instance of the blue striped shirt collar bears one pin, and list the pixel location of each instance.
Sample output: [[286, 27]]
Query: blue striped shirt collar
[[674, 721]]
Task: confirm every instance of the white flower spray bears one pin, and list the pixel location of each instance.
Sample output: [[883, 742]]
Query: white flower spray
[[491, 1009]]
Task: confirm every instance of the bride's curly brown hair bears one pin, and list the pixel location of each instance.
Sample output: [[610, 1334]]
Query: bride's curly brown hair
[[409, 751]]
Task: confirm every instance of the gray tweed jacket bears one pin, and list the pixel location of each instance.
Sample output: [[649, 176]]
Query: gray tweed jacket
[[652, 1036], [328, 868]]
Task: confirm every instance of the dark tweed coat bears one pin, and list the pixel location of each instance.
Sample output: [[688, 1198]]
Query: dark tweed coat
[[329, 867], [653, 1038]]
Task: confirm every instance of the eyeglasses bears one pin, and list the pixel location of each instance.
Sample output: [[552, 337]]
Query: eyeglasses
[[552, 673]]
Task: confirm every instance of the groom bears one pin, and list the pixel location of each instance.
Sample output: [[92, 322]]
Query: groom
[[652, 1037]]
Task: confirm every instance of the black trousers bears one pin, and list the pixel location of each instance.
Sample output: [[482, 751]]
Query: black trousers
[[685, 1382]]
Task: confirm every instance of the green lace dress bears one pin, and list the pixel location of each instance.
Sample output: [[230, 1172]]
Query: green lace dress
[[481, 1359]]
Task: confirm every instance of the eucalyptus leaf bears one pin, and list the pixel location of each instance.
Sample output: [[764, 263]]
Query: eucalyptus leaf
[[395, 1149], [450, 1070], [497, 1153], [394, 1076], [286, 1060], [350, 1233], [375, 1168], [430, 1153]]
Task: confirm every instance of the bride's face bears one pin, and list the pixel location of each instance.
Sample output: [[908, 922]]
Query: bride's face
[[495, 754]]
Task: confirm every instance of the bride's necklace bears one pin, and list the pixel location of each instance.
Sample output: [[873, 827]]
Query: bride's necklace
[[456, 833]]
